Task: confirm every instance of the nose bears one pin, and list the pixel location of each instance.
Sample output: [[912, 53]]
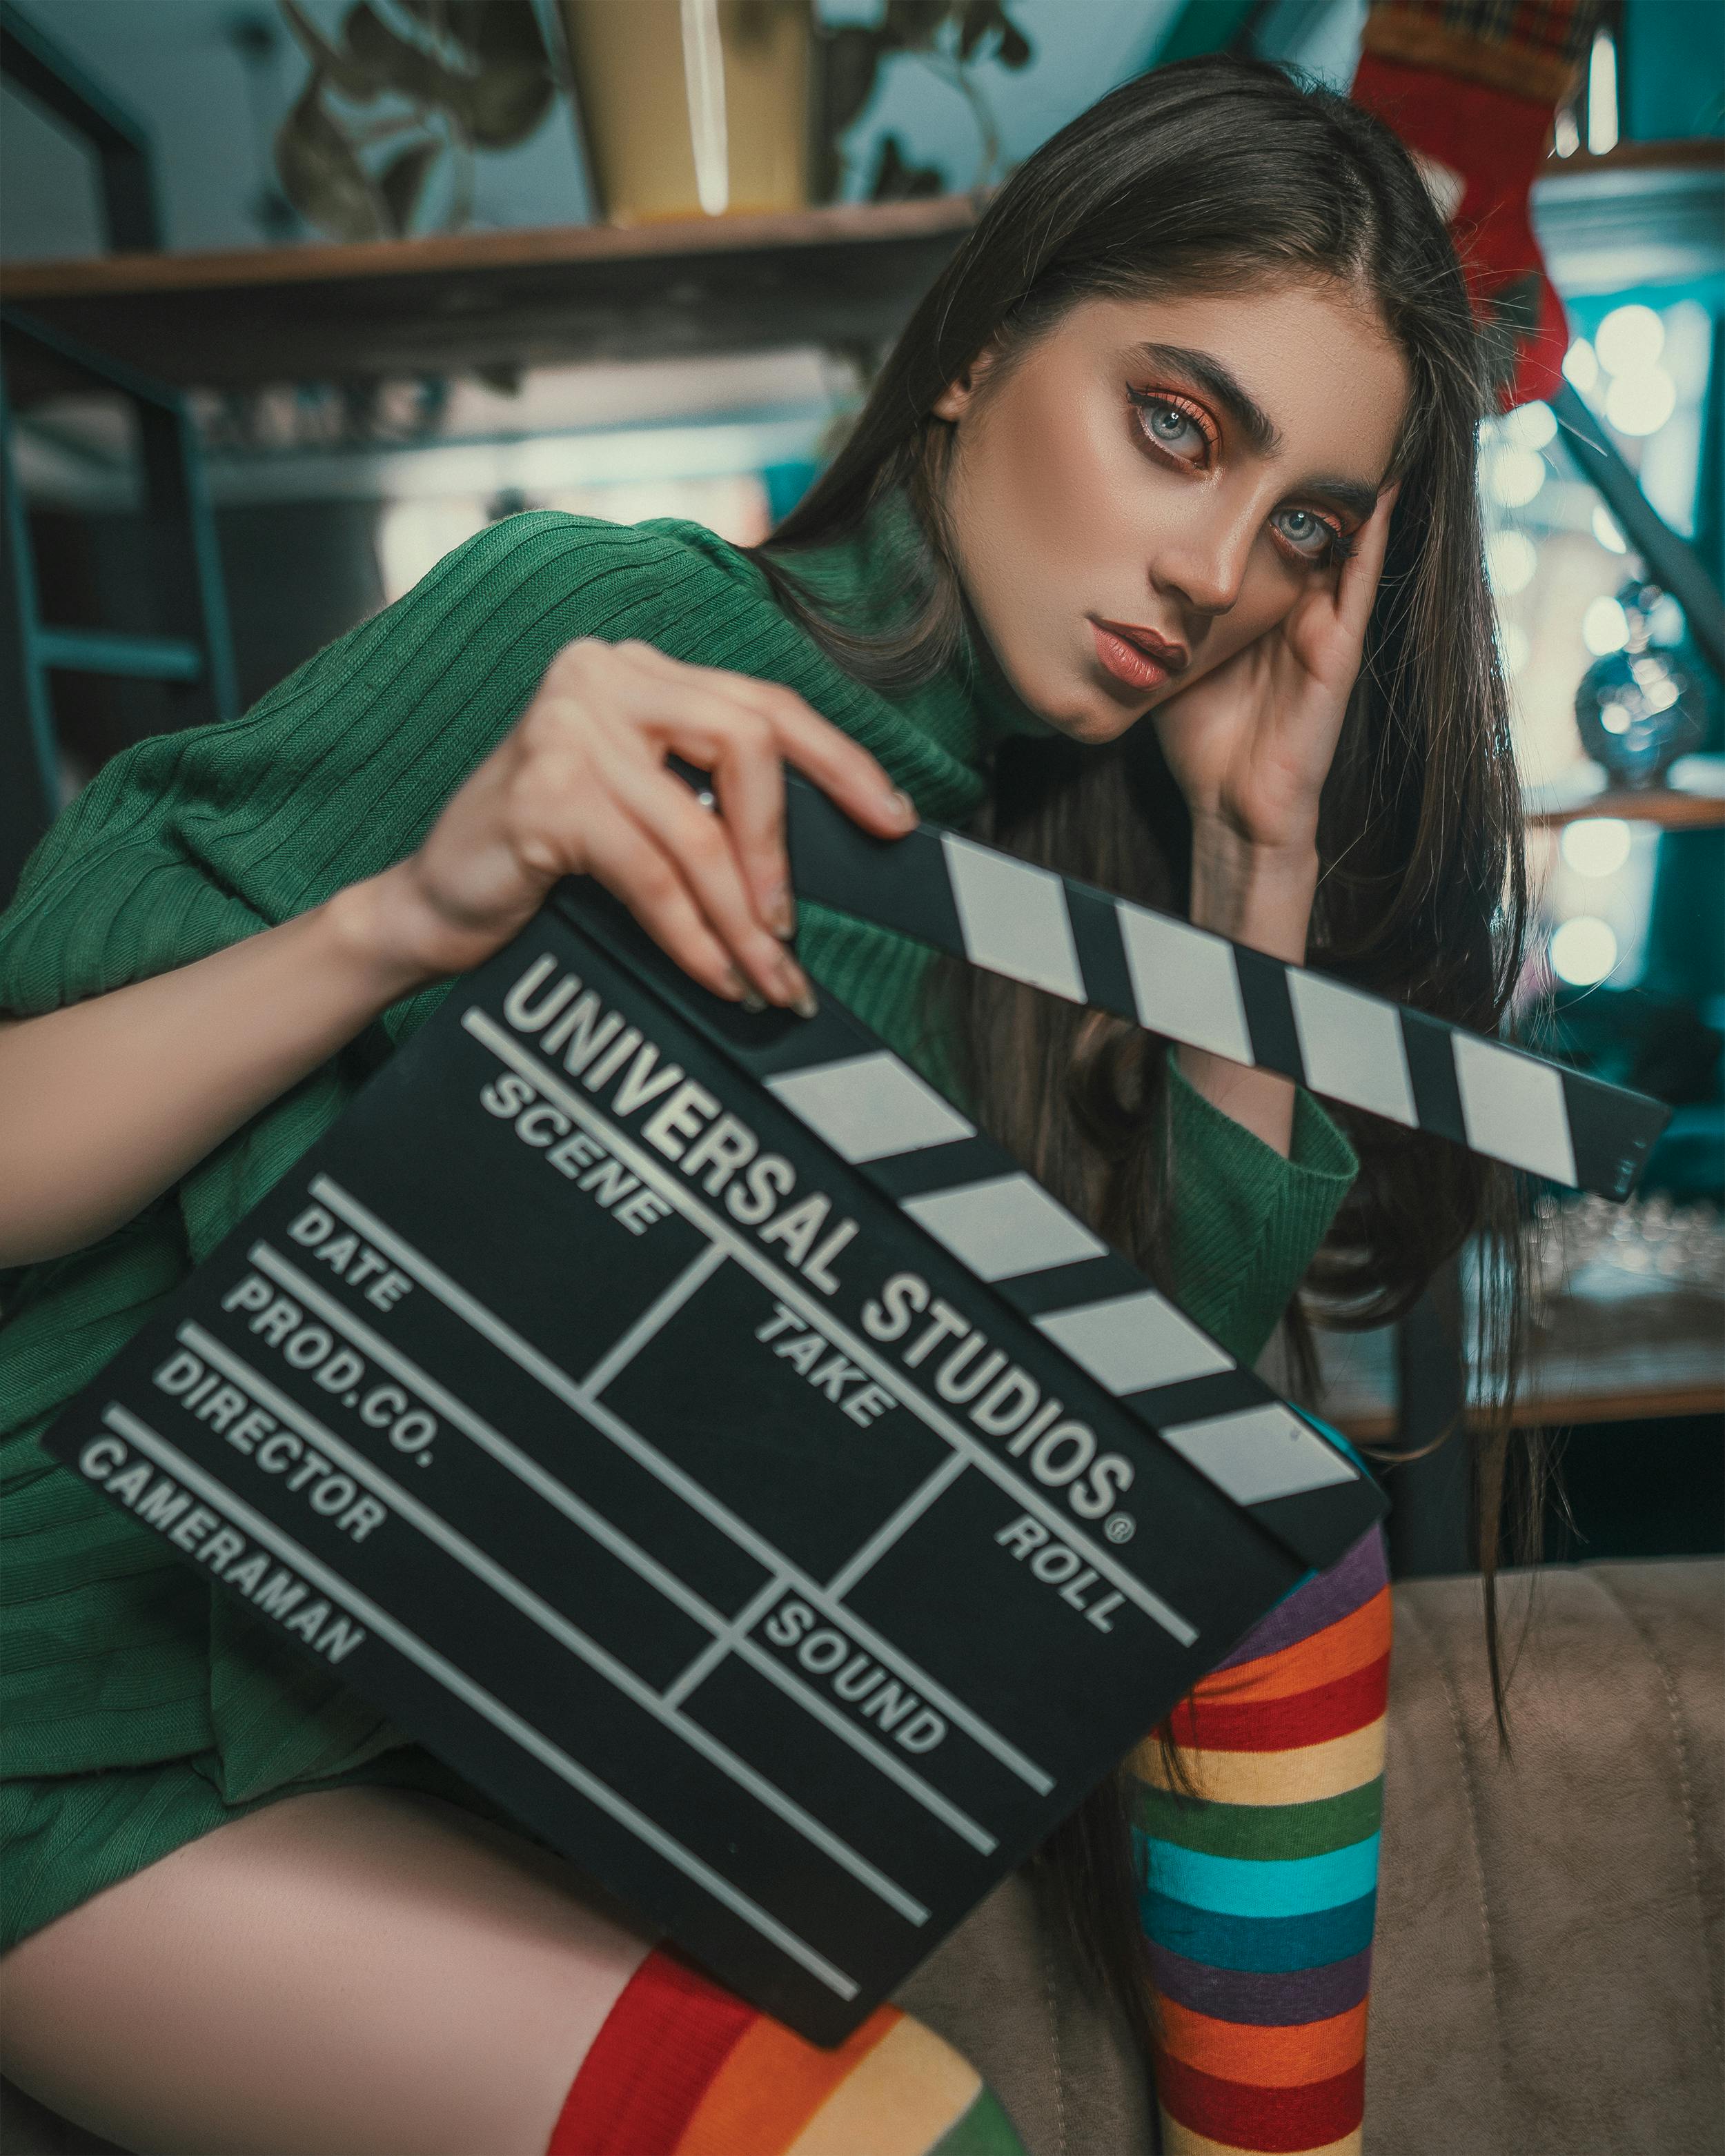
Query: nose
[[1201, 560]]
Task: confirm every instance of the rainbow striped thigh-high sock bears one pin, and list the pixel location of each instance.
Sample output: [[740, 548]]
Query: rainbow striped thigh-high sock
[[682, 2068], [1260, 1891]]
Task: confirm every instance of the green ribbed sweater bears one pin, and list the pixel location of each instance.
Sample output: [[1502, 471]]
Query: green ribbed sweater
[[141, 1706]]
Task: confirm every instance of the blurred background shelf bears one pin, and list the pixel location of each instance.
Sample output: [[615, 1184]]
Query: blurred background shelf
[[1631, 1352], [847, 275], [1694, 798]]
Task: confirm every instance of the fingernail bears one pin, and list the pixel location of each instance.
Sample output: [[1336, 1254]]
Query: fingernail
[[905, 807], [800, 995], [753, 1002], [736, 985], [782, 913]]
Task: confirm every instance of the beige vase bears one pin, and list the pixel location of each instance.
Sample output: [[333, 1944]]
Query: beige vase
[[693, 105]]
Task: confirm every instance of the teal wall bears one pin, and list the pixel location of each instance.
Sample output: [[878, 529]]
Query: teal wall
[[1673, 69]]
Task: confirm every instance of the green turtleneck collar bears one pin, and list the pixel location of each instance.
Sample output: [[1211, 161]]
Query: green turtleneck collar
[[868, 580]]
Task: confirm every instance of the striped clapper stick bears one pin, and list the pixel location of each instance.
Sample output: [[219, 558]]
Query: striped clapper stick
[[682, 1422], [1064, 936]]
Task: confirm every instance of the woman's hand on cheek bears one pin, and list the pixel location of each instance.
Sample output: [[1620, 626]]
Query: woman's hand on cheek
[[1251, 745]]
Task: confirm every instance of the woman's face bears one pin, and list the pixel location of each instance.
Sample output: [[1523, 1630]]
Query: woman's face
[[1156, 482]]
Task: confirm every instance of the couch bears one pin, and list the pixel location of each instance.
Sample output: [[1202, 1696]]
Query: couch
[[1551, 1930]]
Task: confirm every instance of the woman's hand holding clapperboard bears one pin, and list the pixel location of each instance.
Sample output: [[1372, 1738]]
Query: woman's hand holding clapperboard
[[579, 787]]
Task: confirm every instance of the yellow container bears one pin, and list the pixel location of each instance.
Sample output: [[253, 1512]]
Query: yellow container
[[693, 105]]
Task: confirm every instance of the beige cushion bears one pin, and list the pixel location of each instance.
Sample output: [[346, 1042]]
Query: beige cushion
[[1547, 1979]]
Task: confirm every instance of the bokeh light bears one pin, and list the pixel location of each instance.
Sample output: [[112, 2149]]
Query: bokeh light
[[1605, 530], [1602, 94], [1510, 559], [1514, 476], [1605, 627], [1528, 427], [1596, 846], [1630, 339], [1581, 366], [413, 536], [1584, 951], [1642, 403]]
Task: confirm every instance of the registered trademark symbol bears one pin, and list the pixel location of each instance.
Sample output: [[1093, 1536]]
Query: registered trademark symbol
[[1120, 1526]]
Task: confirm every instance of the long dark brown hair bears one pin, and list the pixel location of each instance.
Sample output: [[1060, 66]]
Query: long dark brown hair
[[1218, 175]]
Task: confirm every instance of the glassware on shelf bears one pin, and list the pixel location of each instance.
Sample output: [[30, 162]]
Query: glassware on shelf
[[693, 106], [1650, 1239], [1637, 710]]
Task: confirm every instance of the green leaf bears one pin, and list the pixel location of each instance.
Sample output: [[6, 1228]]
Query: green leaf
[[851, 59], [915, 24], [334, 63], [403, 65], [506, 105], [897, 180], [499, 30], [321, 176], [500, 102], [401, 181], [982, 17]]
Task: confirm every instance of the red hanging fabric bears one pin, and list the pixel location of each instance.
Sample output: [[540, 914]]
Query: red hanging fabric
[[1471, 87]]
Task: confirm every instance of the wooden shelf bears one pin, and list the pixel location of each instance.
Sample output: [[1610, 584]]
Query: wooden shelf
[[1695, 799], [1646, 212], [848, 275], [1678, 153], [1632, 1355]]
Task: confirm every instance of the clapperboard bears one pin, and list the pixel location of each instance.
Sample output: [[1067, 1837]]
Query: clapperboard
[[684, 1423]]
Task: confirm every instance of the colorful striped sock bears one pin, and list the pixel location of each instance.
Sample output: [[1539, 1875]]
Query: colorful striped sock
[[1260, 1891], [681, 2068]]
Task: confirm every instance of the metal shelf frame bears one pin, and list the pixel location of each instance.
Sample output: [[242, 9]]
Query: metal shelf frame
[[195, 651]]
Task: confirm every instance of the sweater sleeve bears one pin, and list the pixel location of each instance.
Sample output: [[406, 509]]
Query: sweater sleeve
[[1230, 1193], [1259, 1850]]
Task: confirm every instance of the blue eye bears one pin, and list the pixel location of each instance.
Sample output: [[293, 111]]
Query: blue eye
[[1311, 537], [1173, 426]]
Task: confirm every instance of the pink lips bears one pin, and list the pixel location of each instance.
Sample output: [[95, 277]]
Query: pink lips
[[1138, 657]]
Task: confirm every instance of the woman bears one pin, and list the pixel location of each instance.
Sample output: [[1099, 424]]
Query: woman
[[1185, 432]]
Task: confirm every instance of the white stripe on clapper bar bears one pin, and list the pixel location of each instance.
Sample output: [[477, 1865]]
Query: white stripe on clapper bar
[[869, 1108], [1003, 1227], [1132, 1342], [1184, 982], [1352, 1046], [1013, 917], [1513, 1108], [1259, 1453]]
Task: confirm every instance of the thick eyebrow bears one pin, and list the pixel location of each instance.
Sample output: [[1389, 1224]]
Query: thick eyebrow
[[1226, 387], [1349, 495], [1354, 497]]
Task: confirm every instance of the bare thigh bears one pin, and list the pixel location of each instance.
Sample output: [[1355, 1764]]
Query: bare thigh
[[364, 1972]]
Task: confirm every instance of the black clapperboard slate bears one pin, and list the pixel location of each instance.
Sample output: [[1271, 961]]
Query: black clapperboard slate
[[685, 1423]]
